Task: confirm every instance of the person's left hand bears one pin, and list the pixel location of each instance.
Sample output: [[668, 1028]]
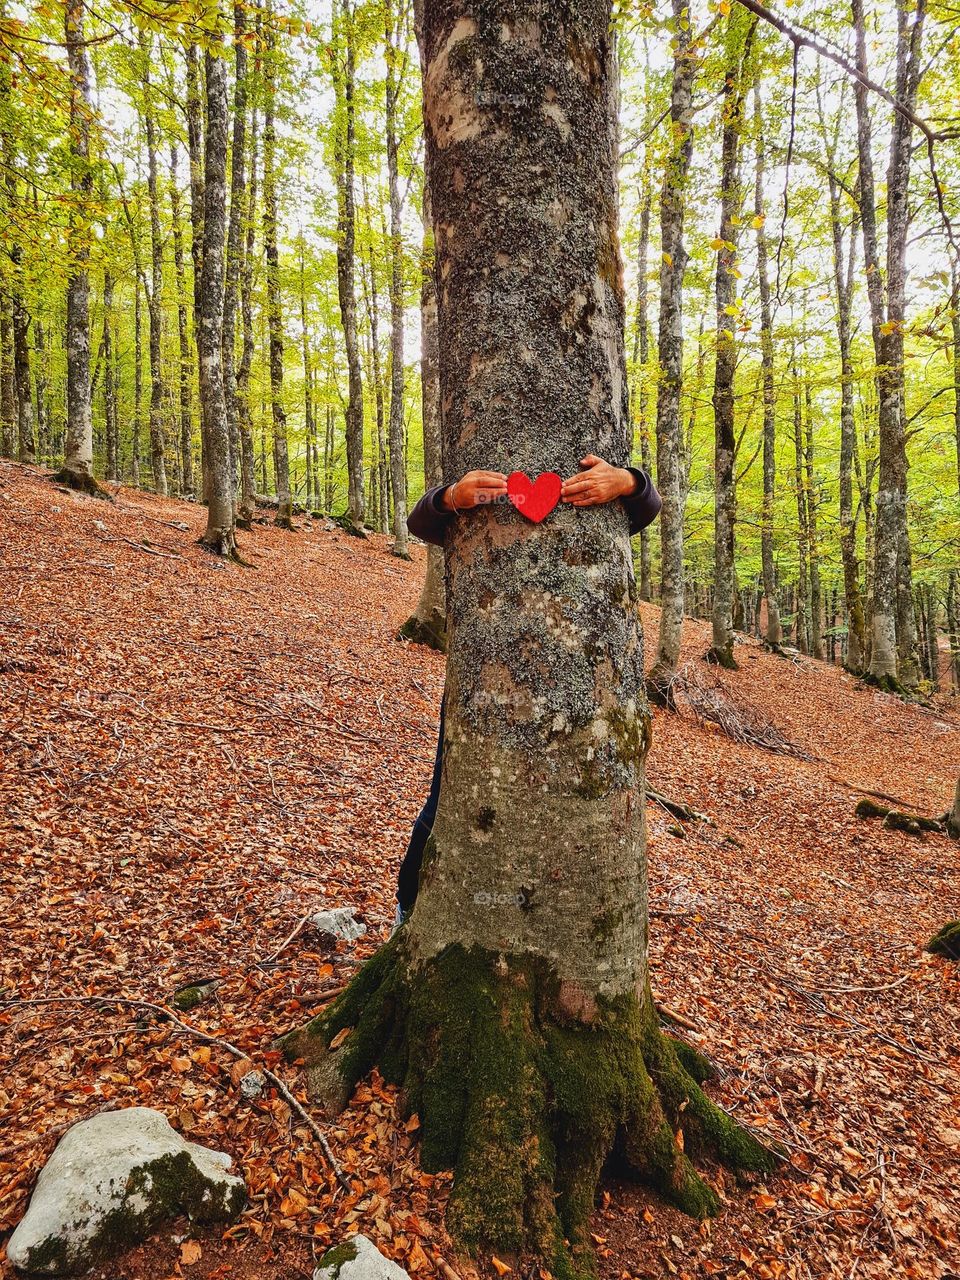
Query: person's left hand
[[597, 483]]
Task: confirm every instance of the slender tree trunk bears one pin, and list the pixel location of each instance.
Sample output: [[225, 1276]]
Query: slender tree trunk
[[78, 445], [8, 269], [515, 1005], [380, 500], [671, 480], [953, 625], [155, 292], [810, 485], [235, 230], [183, 332], [42, 382], [195, 142], [219, 535], [309, 429], [345, 148], [803, 525], [281, 461], [8, 398], [955, 324], [641, 354], [428, 623], [774, 631], [740, 28], [110, 416], [395, 59], [244, 416], [137, 381], [26, 445]]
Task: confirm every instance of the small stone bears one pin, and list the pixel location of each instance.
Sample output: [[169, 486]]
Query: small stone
[[110, 1182], [194, 993], [100, 526], [339, 922], [358, 1259], [253, 1084]]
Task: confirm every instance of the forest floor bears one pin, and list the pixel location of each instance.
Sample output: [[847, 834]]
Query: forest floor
[[195, 756]]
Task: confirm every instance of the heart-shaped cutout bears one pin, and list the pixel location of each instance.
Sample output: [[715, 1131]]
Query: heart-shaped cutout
[[534, 499]]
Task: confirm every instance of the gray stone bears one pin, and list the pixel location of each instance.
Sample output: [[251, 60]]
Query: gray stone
[[110, 1182], [358, 1259], [253, 1084], [339, 922]]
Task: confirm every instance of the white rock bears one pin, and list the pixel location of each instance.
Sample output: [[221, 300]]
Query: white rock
[[339, 922], [358, 1259], [109, 1184]]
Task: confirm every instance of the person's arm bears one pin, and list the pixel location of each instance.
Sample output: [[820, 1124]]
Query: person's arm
[[431, 517], [598, 482]]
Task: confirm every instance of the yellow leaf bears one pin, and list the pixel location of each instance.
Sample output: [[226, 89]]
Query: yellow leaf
[[190, 1252], [724, 7], [668, 259], [730, 311], [717, 243], [501, 1268], [758, 221], [339, 1038]]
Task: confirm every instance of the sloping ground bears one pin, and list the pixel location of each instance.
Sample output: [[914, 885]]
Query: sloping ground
[[196, 756]]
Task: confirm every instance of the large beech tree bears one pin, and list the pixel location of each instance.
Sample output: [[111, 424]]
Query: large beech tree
[[515, 1006]]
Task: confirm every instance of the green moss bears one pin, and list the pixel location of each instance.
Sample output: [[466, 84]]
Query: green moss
[[188, 998], [338, 1257], [695, 1063], [51, 1257], [946, 941], [867, 808], [431, 633]]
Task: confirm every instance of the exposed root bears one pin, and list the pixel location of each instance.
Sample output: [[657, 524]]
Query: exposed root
[[223, 543], [722, 658], [523, 1103], [81, 482], [661, 685], [946, 941], [886, 684], [431, 631]]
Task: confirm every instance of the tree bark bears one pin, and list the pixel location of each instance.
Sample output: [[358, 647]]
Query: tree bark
[[671, 478], [244, 416], [739, 33], [220, 533], [235, 230], [802, 628], [810, 489], [78, 444], [514, 1006], [110, 416], [183, 332], [308, 413], [641, 344], [345, 148], [281, 459], [8, 398], [195, 143], [774, 631]]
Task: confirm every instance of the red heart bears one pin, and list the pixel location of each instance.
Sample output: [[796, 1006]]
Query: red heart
[[534, 499]]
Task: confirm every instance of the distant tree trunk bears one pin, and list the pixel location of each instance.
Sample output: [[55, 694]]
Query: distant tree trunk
[[137, 380], [42, 383], [671, 480], [774, 631], [802, 630], [739, 33], [952, 817], [309, 425], [26, 445], [810, 484], [395, 59], [78, 445], [514, 1006], [183, 332], [955, 324], [380, 501], [235, 230], [244, 416], [953, 625], [155, 292], [281, 461], [931, 634], [110, 417], [428, 623], [891, 661], [195, 129], [219, 535], [8, 398], [345, 147], [641, 354]]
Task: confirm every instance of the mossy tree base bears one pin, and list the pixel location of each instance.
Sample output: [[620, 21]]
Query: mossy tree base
[[661, 688], [430, 631], [81, 482], [525, 1097], [722, 658], [886, 684], [946, 941]]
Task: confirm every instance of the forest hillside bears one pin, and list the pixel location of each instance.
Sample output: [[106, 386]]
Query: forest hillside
[[196, 756]]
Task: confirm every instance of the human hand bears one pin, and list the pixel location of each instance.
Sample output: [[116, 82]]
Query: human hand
[[598, 482], [474, 490]]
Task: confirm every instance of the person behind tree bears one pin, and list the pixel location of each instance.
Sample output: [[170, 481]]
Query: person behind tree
[[596, 483]]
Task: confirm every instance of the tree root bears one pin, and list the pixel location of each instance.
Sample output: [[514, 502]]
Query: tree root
[[946, 941], [913, 824], [525, 1102], [81, 482], [721, 658], [431, 632]]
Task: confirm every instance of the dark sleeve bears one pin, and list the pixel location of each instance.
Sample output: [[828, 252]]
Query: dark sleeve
[[644, 505], [428, 521]]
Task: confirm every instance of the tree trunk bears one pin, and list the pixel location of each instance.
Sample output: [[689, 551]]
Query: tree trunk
[[641, 343], [739, 32], [8, 398], [281, 460], [810, 487], [308, 423], [155, 292], [42, 382], [78, 445], [195, 126], [183, 333], [395, 57], [515, 1006], [235, 229], [379, 500], [955, 325], [244, 416], [774, 630], [219, 535], [428, 623], [953, 625], [671, 479], [110, 416], [345, 147]]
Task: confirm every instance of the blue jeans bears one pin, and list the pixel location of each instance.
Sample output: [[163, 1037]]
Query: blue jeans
[[408, 881]]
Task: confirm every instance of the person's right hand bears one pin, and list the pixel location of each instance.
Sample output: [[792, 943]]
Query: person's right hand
[[474, 489]]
